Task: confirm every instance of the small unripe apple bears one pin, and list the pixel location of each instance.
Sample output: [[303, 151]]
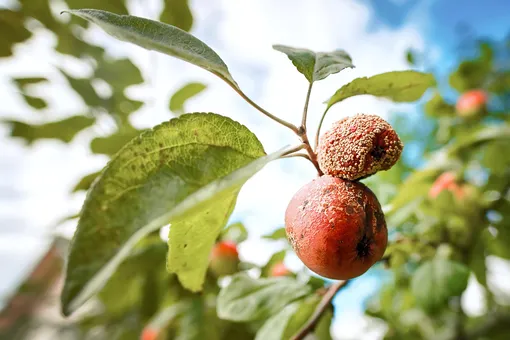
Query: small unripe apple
[[472, 104], [149, 334], [358, 146], [336, 227], [279, 269], [224, 259], [446, 181]]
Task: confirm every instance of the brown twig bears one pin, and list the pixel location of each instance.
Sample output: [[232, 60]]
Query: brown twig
[[321, 308], [311, 153], [302, 133]]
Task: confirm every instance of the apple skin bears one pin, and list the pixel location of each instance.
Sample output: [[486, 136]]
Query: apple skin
[[224, 259], [336, 227], [472, 104]]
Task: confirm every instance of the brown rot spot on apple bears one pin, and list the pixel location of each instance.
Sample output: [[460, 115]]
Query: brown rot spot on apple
[[378, 152], [363, 247], [342, 240], [359, 146]]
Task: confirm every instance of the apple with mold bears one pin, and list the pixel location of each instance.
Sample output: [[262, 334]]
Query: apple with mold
[[336, 227]]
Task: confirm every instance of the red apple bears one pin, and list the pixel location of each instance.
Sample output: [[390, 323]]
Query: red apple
[[224, 259], [472, 104]]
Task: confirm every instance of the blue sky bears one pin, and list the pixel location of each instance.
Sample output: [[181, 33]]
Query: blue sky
[[375, 32]]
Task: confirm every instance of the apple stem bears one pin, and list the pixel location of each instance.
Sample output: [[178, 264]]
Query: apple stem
[[317, 134], [323, 305], [266, 113], [299, 131], [302, 133]]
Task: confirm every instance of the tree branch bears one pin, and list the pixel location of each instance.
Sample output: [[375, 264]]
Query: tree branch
[[321, 308]]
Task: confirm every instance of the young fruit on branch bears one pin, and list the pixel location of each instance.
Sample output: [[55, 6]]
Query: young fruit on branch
[[224, 259], [279, 269], [472, 104], [359, 146], [336, 227], [149, 334], [448, 181]]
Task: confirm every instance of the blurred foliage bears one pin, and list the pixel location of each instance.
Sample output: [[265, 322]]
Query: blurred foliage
[[183, 94], [116, 74], [63, 130]]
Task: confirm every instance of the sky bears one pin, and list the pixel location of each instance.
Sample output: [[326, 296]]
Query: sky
[[35, 182]]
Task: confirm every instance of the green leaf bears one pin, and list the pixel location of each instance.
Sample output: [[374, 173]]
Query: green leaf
[[165, 316], [86, 182], [22, 82], [181, 167], [473, 74], [323, 328], [275, 258], [274, 328], [118, 6], [316, 65], [125, 289], [399, 86], [183, 94], [35, 102], [119, 73], [177, 13], [435, 281], [302, 315], [199, 322], [110, 145], [85, 90], [438, 107], [236, 232], [12, 22], [247, 299], [192, 236], [158, 36], [63, 130], [411, 57], [477, 261], [278, 234]]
